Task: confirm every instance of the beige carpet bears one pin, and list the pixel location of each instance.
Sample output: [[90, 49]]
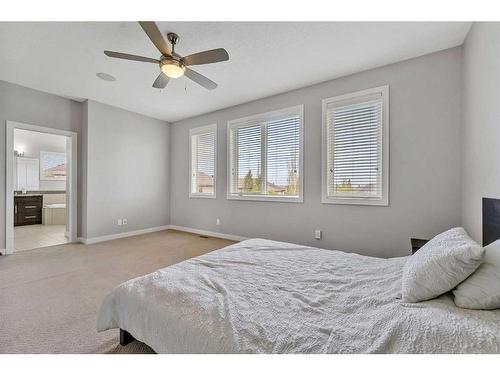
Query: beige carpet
[[49, 297]]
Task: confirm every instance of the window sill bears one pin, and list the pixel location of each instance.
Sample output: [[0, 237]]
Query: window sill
[[262, 198], [356, 201], [203, 196]]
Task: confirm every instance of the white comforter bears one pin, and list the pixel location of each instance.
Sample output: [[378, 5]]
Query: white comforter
[[261, 296]]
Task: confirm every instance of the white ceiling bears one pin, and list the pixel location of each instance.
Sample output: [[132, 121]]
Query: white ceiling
[[266, 58]]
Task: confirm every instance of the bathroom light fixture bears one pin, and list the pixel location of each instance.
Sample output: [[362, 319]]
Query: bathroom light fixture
[[19, 150]]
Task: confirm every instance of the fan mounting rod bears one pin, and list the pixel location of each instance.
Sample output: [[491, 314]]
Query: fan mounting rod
[[173, 38]]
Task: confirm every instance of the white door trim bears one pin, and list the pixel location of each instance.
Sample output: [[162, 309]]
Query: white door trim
[[71, 182]]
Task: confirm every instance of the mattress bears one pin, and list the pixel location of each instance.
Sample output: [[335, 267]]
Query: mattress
[[261, 296]]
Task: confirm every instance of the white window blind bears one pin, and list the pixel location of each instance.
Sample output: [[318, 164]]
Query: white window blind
[[203, 159], [265, 156], [355, 132]]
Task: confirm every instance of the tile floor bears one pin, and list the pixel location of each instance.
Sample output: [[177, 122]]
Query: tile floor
[[29, 237]]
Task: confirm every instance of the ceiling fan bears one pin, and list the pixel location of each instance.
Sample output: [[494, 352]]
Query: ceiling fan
[[173, 65]]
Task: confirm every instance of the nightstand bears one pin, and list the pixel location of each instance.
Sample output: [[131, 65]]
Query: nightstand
[[417, 243]]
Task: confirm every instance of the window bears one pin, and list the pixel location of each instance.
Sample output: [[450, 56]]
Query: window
[[356, 148], [265, 155], [203, 159]]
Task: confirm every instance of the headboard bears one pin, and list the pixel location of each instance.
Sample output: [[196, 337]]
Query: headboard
[[491, 220]]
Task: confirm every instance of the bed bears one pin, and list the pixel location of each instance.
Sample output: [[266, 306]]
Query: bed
[[261, 296]]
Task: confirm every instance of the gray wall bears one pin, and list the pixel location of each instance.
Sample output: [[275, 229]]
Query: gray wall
[[26, 105], [123, 168], [126, 161], [481, 122], [127, 171], [424, 165]]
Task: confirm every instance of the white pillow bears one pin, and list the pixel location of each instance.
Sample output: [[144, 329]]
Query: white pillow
[[482, 289], [440, 265]]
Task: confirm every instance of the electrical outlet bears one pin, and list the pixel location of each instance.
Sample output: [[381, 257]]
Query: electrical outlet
[[119, 222], [317, 234], [124, 221], [217, 222]]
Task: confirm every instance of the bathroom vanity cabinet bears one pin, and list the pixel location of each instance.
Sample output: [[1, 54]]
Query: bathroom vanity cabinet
[[28, 209]]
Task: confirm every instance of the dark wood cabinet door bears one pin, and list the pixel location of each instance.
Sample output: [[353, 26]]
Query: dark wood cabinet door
[[28, 210]]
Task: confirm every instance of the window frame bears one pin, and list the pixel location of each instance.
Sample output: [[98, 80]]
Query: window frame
[[365, 201], [197, 131], [252, 120]]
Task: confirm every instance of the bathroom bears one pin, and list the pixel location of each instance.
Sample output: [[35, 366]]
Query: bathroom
[[40, 218]]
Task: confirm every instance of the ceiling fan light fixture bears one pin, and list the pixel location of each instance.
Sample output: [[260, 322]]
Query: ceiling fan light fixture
[[171, 64], [173, 69]]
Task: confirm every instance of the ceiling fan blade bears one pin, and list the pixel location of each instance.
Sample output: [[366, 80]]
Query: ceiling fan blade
[[127, 56], [154, 34], [206, 57], [161, 81], [200, 79]]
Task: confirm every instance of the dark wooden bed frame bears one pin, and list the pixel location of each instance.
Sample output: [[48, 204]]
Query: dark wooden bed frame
[[491, 233]]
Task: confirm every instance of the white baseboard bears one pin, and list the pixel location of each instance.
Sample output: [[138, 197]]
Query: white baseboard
[[109, 237], [92, 240], [208, 233]]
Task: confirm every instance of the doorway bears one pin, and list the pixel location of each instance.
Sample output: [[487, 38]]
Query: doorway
[[41, 181]]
